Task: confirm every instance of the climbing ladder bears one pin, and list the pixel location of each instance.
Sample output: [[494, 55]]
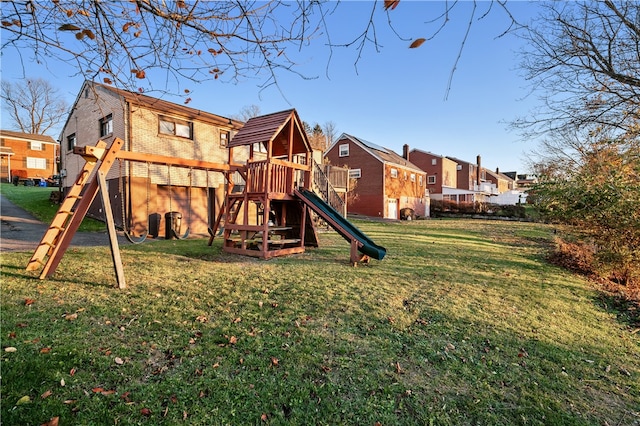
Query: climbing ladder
[[81, 194]]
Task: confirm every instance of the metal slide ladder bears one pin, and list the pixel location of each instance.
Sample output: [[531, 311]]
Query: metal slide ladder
[[58, 236]]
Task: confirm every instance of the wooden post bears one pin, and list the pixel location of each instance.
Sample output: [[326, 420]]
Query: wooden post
[[111, 228]]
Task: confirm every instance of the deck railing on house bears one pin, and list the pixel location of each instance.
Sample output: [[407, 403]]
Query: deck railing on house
[[323, 187]]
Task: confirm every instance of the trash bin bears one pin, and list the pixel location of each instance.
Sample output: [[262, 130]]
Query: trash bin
[[16, 180], [172, 221], [154, 224]]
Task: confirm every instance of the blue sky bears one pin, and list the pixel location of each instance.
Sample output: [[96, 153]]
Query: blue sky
[[395, 95]]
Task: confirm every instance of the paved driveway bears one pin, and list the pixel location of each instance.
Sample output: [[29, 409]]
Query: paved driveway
[[20, 231]]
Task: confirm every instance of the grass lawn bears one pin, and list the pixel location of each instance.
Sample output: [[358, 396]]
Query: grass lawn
[[463, 323], [35, 200]]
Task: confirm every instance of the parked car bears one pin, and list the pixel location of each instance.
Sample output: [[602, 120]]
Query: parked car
[[53, 180]]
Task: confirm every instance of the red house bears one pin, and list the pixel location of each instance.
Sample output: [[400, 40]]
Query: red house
[[27, 156], [385, 183]]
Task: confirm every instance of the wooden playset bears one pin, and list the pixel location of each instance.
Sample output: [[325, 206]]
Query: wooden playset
[[268, 216]]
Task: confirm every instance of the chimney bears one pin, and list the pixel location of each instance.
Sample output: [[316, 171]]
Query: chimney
[[405, 152], [479, 164], [497, 170]]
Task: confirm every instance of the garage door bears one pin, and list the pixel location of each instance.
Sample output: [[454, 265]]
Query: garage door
[[392, 209]]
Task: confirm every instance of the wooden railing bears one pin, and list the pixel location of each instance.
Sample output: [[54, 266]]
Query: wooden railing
[[323, 187], [276, 176]]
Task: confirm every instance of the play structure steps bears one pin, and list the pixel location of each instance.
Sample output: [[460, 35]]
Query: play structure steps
[[75, 205]]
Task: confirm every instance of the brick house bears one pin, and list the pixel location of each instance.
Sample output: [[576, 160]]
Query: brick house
[[386, 183], [472, 179], [141, 194], [502, 182], [442, 174], [27, 155]]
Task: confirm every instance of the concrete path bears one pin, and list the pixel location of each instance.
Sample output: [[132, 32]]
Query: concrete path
[[20, 231]]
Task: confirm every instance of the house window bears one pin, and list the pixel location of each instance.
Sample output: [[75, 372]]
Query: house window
[[431, 180], [344, 150], [175, 127], [394, 173], [224, 139], [413, 177], [35, 146], [36, 163], [259, 147], [459, 167], [355, 173], [106, 125], [434, 161], [71, 142], [420, 180]]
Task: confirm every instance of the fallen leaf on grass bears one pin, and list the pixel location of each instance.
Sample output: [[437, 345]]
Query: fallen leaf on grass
[[10, 349], [274, 360], [233, 340], [47, 394], [52, 422], [119, 361], [24, 400], [12, 335], [62, 383], [28, 302], [45, 350], [263, 417], [73, 371], [145, 412], [71, 317]]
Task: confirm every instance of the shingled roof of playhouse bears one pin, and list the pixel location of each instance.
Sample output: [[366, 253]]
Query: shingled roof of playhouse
[[277, 128]]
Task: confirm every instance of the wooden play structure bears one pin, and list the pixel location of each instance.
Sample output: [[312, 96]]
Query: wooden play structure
[[268, 216]]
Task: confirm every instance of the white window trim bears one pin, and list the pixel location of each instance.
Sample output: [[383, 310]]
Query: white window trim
[[343, 150], [35, 146], [36, 163], [431, 180], [106, 125], [394, 173], [355, 173], [413, 177]]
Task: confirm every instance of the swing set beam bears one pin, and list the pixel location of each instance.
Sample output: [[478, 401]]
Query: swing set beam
[[175, 161]]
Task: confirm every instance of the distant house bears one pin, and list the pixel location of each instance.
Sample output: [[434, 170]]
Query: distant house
[[386, 183], [501, 181], [442, 175], [142, 194], [27, 155]]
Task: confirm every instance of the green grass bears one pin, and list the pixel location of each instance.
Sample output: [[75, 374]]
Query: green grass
[[463, 323], [35, 200]]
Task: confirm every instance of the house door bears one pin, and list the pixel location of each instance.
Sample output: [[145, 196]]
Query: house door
[[392, 208]]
